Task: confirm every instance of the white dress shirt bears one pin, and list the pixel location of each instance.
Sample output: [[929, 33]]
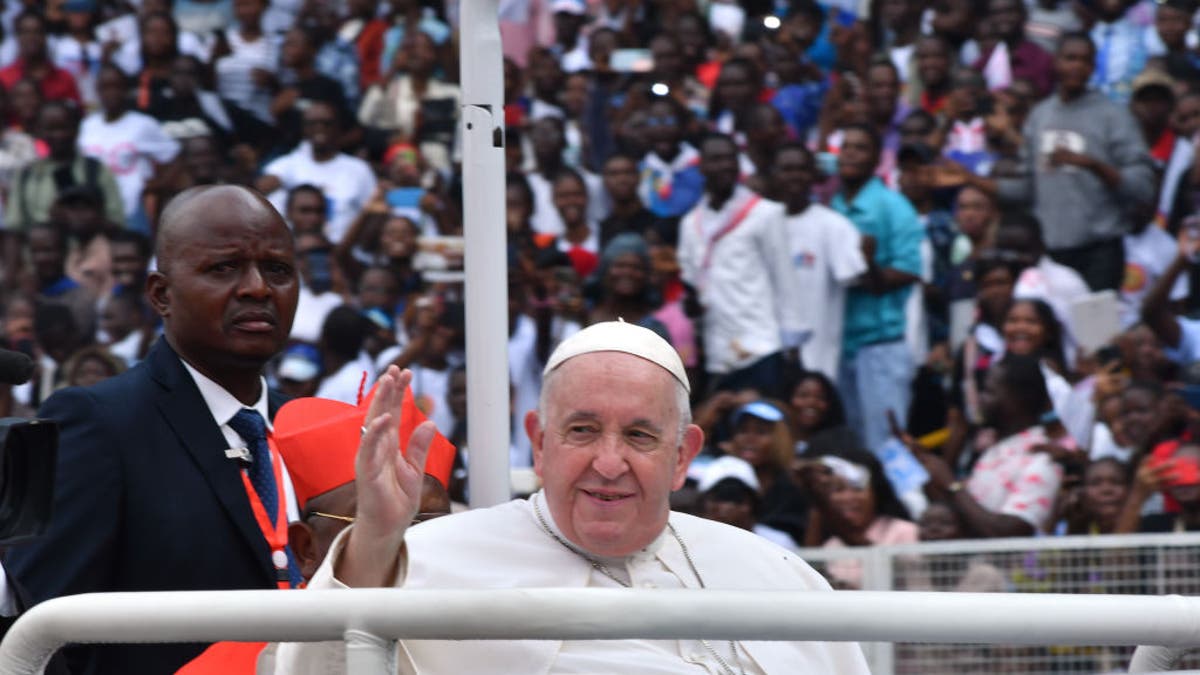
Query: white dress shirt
[[223, 406]]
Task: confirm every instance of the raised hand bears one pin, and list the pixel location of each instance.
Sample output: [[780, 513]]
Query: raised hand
[[388, 485]]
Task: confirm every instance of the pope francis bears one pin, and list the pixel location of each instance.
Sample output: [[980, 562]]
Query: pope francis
[[612, 438]]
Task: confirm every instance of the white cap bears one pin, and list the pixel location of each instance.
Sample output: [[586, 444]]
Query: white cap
[[728, 466], [856, 475], [576, 7], [618, 336], [298, 368]]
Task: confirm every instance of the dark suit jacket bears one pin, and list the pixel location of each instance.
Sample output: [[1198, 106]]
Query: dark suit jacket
[[145, 500]]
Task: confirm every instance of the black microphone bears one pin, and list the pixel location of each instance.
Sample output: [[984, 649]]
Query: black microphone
[[15, 367]]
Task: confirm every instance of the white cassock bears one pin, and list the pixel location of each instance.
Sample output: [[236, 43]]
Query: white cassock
[[505, 547]]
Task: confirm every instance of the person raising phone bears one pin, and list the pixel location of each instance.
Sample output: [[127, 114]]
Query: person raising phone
[[1177, 475]]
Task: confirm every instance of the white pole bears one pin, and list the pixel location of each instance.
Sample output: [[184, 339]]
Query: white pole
[[486, 262], [596, 614]]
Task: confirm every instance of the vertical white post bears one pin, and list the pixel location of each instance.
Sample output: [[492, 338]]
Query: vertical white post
[[486, 262]]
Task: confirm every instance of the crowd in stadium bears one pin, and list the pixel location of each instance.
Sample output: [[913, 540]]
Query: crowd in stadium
[[929, 264]]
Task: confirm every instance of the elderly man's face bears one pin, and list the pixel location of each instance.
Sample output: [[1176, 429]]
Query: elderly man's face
[[609, 455]]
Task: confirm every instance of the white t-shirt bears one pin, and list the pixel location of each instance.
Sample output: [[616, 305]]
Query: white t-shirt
[[1147, 256], [430, 387], [344, 384], [129, 147], [311, 311], [235, 76], [545, 218], [347, 182], [826, 257]]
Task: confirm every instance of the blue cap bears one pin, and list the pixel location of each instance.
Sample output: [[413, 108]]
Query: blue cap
[[760, 409]]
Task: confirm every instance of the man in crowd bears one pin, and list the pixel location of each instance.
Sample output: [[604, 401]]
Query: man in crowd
[[733, 250], [1085, 169], [611, 441], [158, 467], [826, 257], [877, 365]]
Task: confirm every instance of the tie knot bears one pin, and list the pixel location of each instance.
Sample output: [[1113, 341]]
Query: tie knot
[[249, 425]]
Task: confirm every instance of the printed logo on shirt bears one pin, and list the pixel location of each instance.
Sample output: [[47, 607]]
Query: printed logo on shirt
[[804, 260], [1135, 278]]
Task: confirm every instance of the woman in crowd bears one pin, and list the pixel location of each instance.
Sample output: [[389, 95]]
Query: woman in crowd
[[1095, 507], [622, 287], [861, 509], [816, 412], [761, 438]]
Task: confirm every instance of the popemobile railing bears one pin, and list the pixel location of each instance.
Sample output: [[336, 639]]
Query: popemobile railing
[[1086, 598]]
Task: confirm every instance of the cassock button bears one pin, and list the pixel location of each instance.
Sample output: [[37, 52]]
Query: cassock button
[[279, 558]]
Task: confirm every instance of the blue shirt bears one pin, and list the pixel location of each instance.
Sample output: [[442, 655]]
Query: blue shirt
[[893, 222]]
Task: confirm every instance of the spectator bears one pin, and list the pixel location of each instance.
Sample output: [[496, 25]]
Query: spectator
[[412, 104], [1120, 52], [34, 63], [130, 258], [1020, 235], [580, 238], [818, 417], [336, 58], [826, 255], [188, 109], [302, 85], [348, 370], [1031, 329], [48, 255], [299, 370], [129, 143], [761, 439], [861, 509], [248, 74], [127, 333], [1101, 498], [1013, 55], [1084, 163], [149, 57], [321, 287], [733, 250], [629, 214], [1180, 336], [1012, 487], [671, 181], [547, 135], [622, 285], [39, 184], [91, 365], [876, 363], [347, 181], [729, 493], [933, 60], [1176, 476], [305, 210], [365, 29]]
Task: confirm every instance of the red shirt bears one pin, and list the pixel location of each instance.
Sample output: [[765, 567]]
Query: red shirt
[[57, 85], [1161, 152]]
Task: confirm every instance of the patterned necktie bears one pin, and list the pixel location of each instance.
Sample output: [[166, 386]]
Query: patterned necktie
[[250, 426]]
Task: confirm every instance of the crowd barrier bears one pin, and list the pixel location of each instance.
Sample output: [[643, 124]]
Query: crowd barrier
[[1063, 605], [1156, 564]]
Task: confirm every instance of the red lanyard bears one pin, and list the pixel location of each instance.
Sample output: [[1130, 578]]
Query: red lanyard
[[728, 227], [276, 535]]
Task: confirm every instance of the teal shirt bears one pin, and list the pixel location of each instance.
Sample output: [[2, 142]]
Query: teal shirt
[[887, 216]]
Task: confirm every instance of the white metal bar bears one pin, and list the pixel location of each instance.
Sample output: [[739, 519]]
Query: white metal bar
[[489, 421], [574, 614]]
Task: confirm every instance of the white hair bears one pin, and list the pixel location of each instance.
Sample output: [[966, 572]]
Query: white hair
[[683, 404]]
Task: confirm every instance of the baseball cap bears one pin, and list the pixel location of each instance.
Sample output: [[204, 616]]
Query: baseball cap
[[728, 466], [300, 363], [760, 409]]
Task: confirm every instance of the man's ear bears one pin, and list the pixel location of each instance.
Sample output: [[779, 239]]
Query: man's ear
[[693, 441], [158, 293], [304, 547], [533, 428]]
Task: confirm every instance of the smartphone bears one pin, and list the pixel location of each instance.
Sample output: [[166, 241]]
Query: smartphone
[[631, 61], [1184, 471], [1106, 356], [405, 197]]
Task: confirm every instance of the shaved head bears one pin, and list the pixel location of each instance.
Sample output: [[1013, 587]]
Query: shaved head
[[226, 286], [201, 202]]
